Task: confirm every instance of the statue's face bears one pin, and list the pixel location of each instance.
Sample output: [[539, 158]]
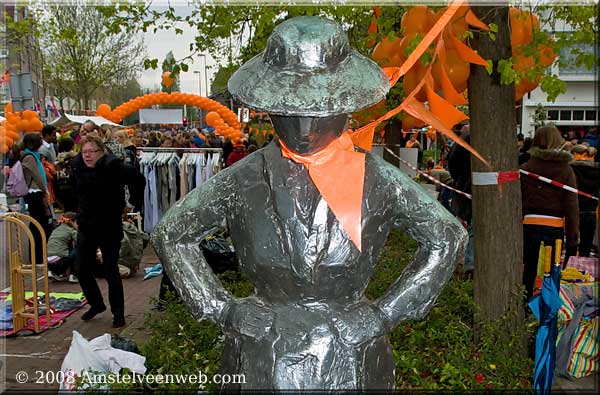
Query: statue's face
[[307, 135]]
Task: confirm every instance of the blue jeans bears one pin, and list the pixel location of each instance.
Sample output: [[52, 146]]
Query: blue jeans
[[469, 264], [64, 264]]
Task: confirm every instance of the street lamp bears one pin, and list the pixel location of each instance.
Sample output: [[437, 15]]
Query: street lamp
[[199, 82], [205, 75], [199, 110]]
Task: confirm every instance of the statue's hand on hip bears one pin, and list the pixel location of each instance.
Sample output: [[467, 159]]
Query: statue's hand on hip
[[360, 323], [248, 317]]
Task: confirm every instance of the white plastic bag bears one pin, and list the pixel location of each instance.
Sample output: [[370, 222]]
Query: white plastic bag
[[117, 359], [80, 358], [96, 357]]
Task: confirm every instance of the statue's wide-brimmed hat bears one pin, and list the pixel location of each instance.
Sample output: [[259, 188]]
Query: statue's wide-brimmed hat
[[308, 69]]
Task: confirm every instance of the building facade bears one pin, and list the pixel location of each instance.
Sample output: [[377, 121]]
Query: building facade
[[575, 110], [20, 56]]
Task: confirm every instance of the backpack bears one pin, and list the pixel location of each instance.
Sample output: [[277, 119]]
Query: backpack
[[64, 172], [16, 185]]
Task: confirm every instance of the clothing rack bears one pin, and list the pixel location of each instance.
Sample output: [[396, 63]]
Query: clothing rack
[[171, 173], [174, 149]]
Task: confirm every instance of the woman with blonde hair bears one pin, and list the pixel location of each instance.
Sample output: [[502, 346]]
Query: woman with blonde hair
[[124, 139], [100, 180], [587, 173], [549, 212]]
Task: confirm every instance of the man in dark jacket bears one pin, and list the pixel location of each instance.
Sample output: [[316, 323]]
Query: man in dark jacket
[[459, 166], [587, 173], [99, 185]]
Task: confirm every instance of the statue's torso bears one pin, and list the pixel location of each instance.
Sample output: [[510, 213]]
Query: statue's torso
[[288, 240]]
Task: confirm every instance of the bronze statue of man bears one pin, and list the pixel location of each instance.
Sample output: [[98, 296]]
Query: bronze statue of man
[[308, 216]]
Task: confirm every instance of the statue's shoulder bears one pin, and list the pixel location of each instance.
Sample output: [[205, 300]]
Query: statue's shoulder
[[383, 171], [253, 165]]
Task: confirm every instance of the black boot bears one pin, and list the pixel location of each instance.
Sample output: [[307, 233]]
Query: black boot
[[92, 312]]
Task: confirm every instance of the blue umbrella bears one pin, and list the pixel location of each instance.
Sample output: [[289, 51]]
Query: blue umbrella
[[545, 307]]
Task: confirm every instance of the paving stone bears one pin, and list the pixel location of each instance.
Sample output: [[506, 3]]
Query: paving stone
[[46, 351]]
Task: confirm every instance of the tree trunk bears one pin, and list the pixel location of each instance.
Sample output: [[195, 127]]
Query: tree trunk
[[497, 228], [393, 133]]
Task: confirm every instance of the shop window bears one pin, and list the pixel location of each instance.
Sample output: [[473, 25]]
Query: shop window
[[565, 115], [578, 115], [590, 115], [553, 115]]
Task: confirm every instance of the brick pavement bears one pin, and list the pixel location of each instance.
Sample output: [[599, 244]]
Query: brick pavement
[[50, 347]]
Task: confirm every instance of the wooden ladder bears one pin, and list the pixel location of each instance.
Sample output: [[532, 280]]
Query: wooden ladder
[[20, 268]]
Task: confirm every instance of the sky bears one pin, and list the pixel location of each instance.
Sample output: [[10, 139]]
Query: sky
[[160, 43]]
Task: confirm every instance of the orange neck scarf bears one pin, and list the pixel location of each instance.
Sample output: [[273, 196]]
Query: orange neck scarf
[[339, 175]]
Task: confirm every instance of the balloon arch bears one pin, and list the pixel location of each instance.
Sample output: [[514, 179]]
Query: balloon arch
[[220, 117]]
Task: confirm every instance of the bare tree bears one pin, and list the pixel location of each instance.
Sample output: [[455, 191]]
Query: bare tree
[[82, 55]]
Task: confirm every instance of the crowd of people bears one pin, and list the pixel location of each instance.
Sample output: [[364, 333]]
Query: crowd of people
[[92, 175], [549, 212]]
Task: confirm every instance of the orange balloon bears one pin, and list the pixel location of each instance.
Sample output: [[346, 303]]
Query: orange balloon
[[457, 70], [412, 78], [547, 55], [404, 44], [23, 125], [167, 80], [385, 51], [103, 110], [418, 19], [11, 117], [522, 24], [523, 63], [212, 118], [28, 114], [38, 125]]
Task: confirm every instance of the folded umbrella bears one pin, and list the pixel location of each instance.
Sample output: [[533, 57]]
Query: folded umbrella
[[545, 307]]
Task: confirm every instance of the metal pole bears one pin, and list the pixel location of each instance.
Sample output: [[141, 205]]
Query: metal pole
[[205, 76], [199, 112]]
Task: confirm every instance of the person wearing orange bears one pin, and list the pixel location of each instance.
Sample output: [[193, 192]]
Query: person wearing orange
[[308, 216], [413, 142], [549, 213]]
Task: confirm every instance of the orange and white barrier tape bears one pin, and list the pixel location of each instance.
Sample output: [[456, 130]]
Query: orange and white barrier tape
[[424, 174], [494, 177]]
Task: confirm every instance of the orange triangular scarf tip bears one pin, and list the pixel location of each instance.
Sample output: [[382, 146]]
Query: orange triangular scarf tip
[[338, 172]]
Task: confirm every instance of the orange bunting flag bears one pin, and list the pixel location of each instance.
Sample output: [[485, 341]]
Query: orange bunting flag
[[334, 169], [377, 12], [466, 53], [372, 27], [418, 110], [443, 110], [430, 36], [450, 93], [472, 20], [393, 74], [363, 138]]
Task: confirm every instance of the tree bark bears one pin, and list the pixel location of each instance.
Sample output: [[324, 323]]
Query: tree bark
[[393, 133], [497, 228]]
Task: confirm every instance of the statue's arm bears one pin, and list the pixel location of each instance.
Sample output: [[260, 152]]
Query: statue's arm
[[441, 241], [176, 240]]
